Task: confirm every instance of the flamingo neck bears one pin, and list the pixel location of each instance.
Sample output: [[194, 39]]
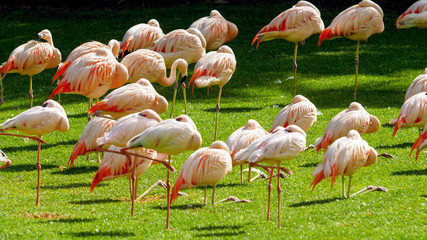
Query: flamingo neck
[[172, 76]]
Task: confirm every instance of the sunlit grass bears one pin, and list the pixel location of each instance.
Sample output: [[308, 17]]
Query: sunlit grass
[[259, 88]]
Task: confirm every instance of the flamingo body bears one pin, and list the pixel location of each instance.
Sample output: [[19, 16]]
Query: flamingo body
[[414, 16], [92, 75], [413, 112], [294, 25], [357, 22], [189, 45], [206, 166], [419, 84], [141, 36], [131, 98], [215, 29], [145, 63], [355, 117], [344, 158], [300, 112], [116, 165], [39, 120], [94, 129], [127, 127]]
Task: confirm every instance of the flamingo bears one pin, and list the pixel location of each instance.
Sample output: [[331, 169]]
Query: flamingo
[[241, 138], [215, 29], [38, 121], [419, 84], [30, 59], [300, 112], [92, 75], [145, 63], [189, 45], [345, 157], [294, 25], [206, 166], [355, 117], [130, 98], [414, 16], [94, 129], [420, 143], [285, 144], [141, 36], [172, 137], [214, 68], [357, 23], [413, 112], [5, 159]]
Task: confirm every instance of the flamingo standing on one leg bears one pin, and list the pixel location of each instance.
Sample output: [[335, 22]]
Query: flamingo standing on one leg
[[413, 112], [300, 112], [345, 157], [189, 45], [285, 144], [355, 117], [130, 98], [141, 36], [92, 75], [206, 166], [30, 59], [294, 25], [216, 29], [150, 65], [241, 138], [414, 16], [38, 121], [86, 144], [172, 137], [214, 68], [3, 158], [357, 23]]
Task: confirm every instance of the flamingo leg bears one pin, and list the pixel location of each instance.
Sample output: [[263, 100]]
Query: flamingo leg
[[279, 191], [356, 61], [8, 163], [343, 188], [249, 173], [185, 97], [133, 178], [269, 197], [241, 173], [213, 194], [1, 89], [349, 185], [217, 112], [175, 88], [90, 106], [31, 91], [295, 68], [168, 185], [39, 167], [205, 198]]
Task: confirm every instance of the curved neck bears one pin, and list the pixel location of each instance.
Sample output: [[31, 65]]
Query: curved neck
[[161, 106], [172, 76]]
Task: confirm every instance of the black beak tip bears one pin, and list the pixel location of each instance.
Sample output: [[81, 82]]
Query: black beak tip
[[183, 79]]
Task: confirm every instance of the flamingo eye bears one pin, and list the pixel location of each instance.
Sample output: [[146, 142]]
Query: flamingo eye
[[143, 115], [44, 104], [179, 119]]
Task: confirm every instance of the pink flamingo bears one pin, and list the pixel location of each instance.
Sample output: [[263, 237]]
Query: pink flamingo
[[141, 36], [414, 16]]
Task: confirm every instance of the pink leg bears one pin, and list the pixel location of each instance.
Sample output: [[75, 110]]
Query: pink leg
[[279, 191], [269, 197], [39, 167], [168, 185], [7, 164], [133, 178]]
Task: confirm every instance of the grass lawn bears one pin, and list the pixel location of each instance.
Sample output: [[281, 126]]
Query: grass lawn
[[259, 88]]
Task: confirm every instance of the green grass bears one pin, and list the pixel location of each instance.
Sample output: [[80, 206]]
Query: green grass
[[388, 64]]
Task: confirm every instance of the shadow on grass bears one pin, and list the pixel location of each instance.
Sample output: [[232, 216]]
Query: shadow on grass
[[77, 170], [411, 172], [102, 234], [71, 220], [219, 230], [181, 207], [27, 167], [78, 115], [400, 145], [309, 165], [309, 203], [71, 185], [233, 109], [34, 147], [95, 201]]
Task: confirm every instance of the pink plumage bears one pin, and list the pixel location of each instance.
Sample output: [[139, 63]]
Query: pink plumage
[[216, 29], [141, 36], [419, 84], [414, 16], [413, 112]]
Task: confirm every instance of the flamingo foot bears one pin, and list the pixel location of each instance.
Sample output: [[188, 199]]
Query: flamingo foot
[[233, 199], [370, 189]]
